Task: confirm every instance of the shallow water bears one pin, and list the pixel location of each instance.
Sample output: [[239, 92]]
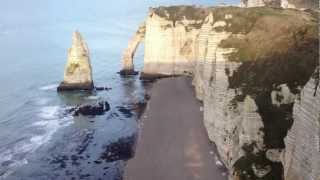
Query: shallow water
[[38, 139]]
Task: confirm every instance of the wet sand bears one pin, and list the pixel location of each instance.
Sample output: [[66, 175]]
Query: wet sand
[[173, 143]]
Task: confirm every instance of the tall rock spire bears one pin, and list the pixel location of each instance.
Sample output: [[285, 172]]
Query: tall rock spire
[[78, 71]]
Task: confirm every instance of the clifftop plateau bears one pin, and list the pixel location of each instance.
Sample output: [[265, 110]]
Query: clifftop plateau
[[295, 4]]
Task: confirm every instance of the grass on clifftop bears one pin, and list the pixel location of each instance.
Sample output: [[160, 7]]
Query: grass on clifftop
[[178, 13], [268, 32], [280, 49], [242, 21], [275, 47]]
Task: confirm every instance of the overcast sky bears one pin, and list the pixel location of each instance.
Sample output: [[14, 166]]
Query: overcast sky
[[27, 11]]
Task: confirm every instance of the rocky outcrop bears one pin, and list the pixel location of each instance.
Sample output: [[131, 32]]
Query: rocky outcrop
[[248, 66], [174, 53], [260, 3], [78, 71], [98, 108], [301, 158], [296, 4], [127, 59]]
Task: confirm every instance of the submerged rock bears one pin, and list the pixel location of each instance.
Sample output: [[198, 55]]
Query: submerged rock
[[123, 149], [102, 88], [125, 111], [78, 71], [92, 110]]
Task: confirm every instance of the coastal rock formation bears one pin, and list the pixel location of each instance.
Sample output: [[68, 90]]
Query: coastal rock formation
[[301, 158], [295, 4], [127, 59], [249, 66], [78, 71], [98, 108]]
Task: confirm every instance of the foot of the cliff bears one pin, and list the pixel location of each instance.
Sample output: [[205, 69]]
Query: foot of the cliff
[[75, 87], [102, 88], [124, 73], [153, 77]]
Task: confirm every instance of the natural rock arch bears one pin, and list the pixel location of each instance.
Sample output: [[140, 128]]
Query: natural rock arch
[[128, 55]]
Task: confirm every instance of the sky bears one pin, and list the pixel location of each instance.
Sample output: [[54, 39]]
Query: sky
[[29, 11]]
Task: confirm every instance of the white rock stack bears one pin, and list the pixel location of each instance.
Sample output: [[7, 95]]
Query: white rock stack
[[78, 71]]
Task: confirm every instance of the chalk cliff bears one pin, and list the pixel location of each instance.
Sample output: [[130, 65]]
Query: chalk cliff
[[127, 59], [295, 4], [253, 68], [78, 71], [301, 158]]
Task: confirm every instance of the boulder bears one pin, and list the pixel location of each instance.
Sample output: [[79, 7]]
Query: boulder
[[92, 109]]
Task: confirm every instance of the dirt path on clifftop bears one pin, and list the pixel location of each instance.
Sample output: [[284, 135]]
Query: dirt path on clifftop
[[173, 144]]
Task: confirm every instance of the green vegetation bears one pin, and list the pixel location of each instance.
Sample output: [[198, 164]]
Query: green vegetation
[[278, 49], [178, 13], [242, 21], [243, 166], [274, 34]]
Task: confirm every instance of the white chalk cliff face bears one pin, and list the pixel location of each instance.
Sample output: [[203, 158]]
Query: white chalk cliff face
[[254, 77], [174, 51], [78, 71], [301, 157], [127, 59], [295, 4]]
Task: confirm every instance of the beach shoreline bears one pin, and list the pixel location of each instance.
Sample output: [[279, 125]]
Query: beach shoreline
[[173, 142]]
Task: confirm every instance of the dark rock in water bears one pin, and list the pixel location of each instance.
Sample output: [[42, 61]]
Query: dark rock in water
[[99, 88], [123, 149], [7, 163], [135, 108], [60, 160], [153, 77], [125, 111], [75, 87], [128, 73], [92, 110], [139, 108], [102, 88]]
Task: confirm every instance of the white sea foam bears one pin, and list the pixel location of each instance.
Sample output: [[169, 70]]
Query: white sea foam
[[12, 166], [92, 97], [49, 112], [49, 87], [50, 123], [41, 101]]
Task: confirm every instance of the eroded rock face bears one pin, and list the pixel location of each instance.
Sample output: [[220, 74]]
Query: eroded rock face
[[127, 59], [78, 71], [248, 66], [98, 108], [295, 4], [301, 158]]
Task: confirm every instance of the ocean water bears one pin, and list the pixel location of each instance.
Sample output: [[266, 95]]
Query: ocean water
[[38, 139]]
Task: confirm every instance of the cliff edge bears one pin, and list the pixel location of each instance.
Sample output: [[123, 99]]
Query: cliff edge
[[254, 69]]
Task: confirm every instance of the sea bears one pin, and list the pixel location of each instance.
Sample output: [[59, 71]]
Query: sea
[[39, 138]]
